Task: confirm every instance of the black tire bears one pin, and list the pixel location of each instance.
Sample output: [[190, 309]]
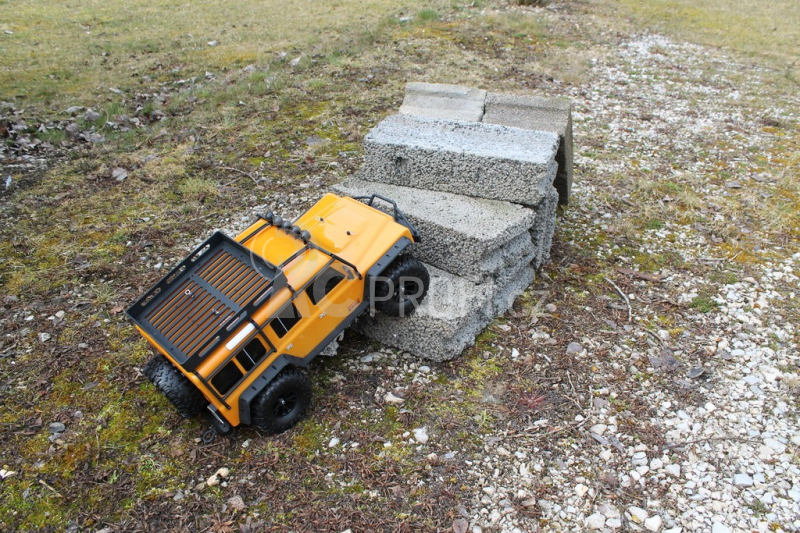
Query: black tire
[[405, 275], [283, 403], [186, 398]]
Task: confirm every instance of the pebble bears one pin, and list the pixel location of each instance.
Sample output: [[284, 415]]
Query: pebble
[[334, 442], [742, 480], [654, 524], [421, 435], [236, 503], [638, 515], [574, 348], [44, 337], [596, 521], [718, 527], [551, 308], [57, 427], [392, 399]]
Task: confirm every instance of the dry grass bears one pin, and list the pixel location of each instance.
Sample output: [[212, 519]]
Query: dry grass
[[769, 31], [70, 53]]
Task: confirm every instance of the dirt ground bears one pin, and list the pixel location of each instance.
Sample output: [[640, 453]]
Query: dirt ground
[[662, 334]]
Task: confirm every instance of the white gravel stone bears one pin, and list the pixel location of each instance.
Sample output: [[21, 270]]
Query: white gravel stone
[[595, 521]]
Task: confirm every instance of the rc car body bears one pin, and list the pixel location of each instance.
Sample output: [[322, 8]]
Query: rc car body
[[237, 319]]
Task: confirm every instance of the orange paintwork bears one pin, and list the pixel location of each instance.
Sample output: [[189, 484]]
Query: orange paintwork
[[346, 227]]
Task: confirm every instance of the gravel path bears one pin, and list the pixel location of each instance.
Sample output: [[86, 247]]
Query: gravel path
[[721, 390]]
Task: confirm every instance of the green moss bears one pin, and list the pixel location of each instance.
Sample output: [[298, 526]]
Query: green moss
[[703, 304]]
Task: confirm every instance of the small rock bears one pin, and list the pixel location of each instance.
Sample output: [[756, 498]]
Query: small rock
[[213, 43], [514, 353], [421, 435], [574, 347], [598, 429], [718, 527], [91, 115], [44, 337], [696, 372], [334, 442], [596, 521], [119, 174], [74, 110], [425, 369], [775, 444], [236, 503], [742, 480], [460, 525], [551, 308], [57, 427], [581, 490], [212, 481], [654, 524], [223, 472], [733, 184], [673, 470], [392, 399], [639, 459], [656, 464], [638, 515]]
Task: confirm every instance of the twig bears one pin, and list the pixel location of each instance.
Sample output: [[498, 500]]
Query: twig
[[242, 172], [623, 296], [44, 483]]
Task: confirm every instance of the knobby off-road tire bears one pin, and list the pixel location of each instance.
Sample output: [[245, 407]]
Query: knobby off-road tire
[[402, 278], [283, 403], [186, 398]]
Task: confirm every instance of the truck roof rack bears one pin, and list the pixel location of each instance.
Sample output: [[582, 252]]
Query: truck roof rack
[[196, 307]]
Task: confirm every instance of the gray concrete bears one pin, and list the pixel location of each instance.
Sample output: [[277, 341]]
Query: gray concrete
[[475, 159], [472, 237], [452, 315], [539, 114], [542, 232], [439, 100]]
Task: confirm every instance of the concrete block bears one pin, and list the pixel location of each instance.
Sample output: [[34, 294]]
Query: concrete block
[[474, 238], [538, 114], [472, 159], [544, 228], [452, 315], [439, 100]]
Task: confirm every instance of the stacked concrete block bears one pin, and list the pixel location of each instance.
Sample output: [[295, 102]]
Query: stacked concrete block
[[474, 238], [452, 315], [439, 100], [470, 158], [539, 114], [475, 173]]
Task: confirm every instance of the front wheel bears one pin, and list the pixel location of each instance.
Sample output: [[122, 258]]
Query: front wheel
[[402, 287], [283, 403]]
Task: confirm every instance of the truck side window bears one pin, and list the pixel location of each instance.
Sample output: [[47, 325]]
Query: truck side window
[[285, 320], [251, 354], [226, 378], [324, 284]]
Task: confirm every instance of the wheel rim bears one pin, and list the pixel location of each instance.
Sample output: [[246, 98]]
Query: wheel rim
[[407, 287], [285, 404]]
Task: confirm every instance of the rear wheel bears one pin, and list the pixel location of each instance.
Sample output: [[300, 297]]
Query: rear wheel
[[283, 403], [402, 287], [186, 398]]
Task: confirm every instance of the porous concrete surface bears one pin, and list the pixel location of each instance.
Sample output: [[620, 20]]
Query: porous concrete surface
[[454, 312], [542, 232], [539, 114], [470, 237], [439, 100], [483, 160]]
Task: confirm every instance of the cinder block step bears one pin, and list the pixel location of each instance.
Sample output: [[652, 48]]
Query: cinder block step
[[472, 237], [452, 315], [544, 228], [467, 158], [440, 100], [538, 114]]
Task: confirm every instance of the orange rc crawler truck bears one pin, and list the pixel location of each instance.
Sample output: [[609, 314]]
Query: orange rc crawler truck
[[236, 319]]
